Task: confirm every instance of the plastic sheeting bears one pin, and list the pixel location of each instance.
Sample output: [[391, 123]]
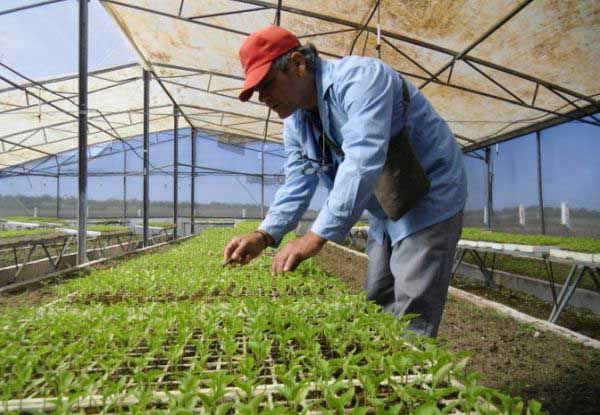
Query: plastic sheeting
[[507, 67], [549, 41]]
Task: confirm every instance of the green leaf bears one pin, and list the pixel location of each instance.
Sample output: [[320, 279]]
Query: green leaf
[[534, 407], [442, 373], [429, 408], [462, 364], [224, 408]]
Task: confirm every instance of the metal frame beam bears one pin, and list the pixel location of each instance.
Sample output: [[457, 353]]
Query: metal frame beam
[[31, 6], [124, 182], [62, 97], [420, 43], [516, 101], [480, 39], [53, 126], [571, 116], [57, 189], [175, 167], [538, 140], [69, 77], [193, 182], [490, 186], [204, 16], [8, 172], [174, 16], [83, 131], [56, 107], [146, 138]]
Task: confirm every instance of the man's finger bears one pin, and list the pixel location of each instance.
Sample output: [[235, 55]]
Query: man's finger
[[240, 251], [274, 265], [278, 263], [291, 263], [231, 246], [246, 259]]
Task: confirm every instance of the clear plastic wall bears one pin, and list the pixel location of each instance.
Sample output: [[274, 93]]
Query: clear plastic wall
[[228, 181], [476, 188], [515, 186], [570, 177], [571, 180]]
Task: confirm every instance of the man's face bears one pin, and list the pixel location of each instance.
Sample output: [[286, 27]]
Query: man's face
[[286, 91], [275, 92]]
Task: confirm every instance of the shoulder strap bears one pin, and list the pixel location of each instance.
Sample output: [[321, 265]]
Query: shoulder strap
[[338, 150], [406, 96]]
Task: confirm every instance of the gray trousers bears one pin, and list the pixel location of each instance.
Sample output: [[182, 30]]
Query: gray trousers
[[413, 275]]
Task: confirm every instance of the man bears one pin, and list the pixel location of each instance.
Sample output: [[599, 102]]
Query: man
[[339, 120]]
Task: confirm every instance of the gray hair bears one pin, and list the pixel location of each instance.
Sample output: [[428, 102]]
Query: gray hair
[[309, 51]]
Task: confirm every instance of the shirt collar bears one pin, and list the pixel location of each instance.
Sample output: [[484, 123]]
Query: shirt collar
[[323, 77], [323, 81]]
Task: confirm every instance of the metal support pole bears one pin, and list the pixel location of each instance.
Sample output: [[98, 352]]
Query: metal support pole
[[124, 183], [83, 131], [262, 168], [146, 155], [193, 195], [262, 181], [488, 163], [58, 191], [567, 292], [540, 187], [175, 165]]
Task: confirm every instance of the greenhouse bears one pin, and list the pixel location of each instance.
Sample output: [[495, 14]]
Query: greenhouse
[[134, 183]]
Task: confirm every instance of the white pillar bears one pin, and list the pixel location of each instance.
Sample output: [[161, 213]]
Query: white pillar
[[522, 215], [565, 215]]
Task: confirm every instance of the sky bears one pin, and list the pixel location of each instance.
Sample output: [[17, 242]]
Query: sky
[[41, 43]]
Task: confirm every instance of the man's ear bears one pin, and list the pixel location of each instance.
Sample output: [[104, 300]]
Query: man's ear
[[299, 63]]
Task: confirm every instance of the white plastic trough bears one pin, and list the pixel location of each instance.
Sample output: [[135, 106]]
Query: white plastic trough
[[89, 234], [576, 256], [22, 224]]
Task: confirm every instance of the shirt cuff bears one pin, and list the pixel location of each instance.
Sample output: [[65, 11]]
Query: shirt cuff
[[274, 227], [331, 227]]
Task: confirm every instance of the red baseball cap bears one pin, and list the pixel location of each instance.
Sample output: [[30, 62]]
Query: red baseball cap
[[259, 51]]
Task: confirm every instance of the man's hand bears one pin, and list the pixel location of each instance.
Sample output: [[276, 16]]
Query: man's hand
[[296, 251], [243, 249]]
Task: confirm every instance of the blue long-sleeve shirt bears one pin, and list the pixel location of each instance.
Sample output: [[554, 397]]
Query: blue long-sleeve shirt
[[361, 105]]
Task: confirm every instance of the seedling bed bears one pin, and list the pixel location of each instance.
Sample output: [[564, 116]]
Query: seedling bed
[[589, 245], [317, 393], [209, 295], [34, 247], [293, 353], [27, 240], [314, 357]]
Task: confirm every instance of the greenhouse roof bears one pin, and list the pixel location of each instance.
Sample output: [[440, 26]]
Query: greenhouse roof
[[492, 72]]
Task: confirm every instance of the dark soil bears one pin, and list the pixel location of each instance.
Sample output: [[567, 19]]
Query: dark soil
[[33, 297], [581, 321], [510, 356]]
